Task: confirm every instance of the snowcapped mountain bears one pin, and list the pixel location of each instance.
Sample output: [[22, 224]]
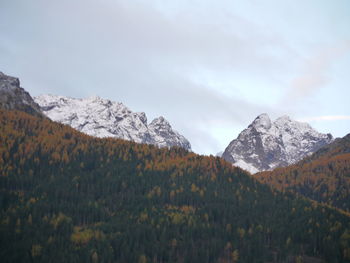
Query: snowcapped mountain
[[103, 118], [13, 97], [265, 145]]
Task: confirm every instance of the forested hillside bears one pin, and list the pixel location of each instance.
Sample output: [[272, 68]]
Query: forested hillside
[[68, 197], [324, 176]]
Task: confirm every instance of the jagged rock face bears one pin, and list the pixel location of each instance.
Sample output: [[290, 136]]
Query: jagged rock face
[[13, 97], [164, 136], [103, 118], [265, 145]]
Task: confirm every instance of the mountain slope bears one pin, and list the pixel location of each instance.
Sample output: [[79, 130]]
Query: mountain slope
[[265, 145], [13, 97], [338, 147], [324, 176], [69, 197], [103, 118]]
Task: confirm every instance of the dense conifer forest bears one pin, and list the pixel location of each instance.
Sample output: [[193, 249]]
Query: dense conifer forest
[[68, 197], [324, 176]]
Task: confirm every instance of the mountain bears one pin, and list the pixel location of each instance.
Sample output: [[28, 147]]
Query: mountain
[[69, 197], [103, 118], [12, 96], [324, 176], [265, 145], [338, 147]]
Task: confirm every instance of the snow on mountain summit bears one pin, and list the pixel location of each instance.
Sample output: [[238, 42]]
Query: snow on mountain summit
[[262, 122], [104, 118], [265, 145]]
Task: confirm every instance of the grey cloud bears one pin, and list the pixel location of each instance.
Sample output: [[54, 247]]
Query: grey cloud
[[140, 31], [129, 51]]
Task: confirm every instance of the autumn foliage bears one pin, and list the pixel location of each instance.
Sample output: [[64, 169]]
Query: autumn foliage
[[324, 176], [69, 197]]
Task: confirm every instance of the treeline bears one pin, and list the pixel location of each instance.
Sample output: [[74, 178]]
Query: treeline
[[68, 197]]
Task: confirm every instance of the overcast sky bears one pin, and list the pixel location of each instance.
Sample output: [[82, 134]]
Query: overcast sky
[[209, 67]]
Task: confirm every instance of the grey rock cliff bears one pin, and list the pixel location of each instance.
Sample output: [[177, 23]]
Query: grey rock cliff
[[13, 97]]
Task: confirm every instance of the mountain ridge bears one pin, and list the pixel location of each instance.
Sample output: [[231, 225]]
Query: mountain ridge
[[100, 117], [265, 145]]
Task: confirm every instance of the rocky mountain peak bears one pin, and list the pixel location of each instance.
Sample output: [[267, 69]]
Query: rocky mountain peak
[[160, 122], [96, 98], [283, 119], [265, 145], [104, 118], [142, 117], [14, 97], [164, 134], [8, 82], [262, 122]]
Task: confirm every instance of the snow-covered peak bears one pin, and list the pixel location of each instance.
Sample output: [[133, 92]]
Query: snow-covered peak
[[94, 98], [283, 119], [286, 121], [164, 134], [262, 122], [104, 118], [160, 122], [265, 145], [286, 126]]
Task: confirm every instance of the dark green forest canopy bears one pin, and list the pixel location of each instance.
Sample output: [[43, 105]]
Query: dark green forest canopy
[[68, 197]]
